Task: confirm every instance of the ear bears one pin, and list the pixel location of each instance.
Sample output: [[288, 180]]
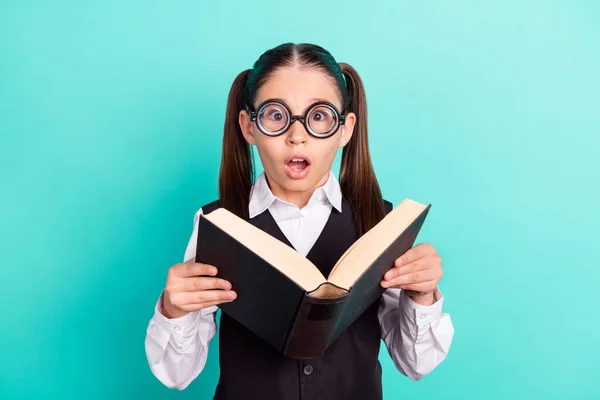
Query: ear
[[246, 126], [347, 129]]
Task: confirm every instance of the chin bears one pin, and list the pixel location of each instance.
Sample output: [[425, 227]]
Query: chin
[[293, 184], [302, 185]]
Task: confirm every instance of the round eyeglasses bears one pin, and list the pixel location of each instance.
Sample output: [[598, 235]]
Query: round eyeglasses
[[321, 120]]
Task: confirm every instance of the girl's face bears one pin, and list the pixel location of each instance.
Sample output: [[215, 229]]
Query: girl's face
[[291, 180]]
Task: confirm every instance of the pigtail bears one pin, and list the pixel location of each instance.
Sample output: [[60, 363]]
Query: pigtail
[[357, 176], [237, 171]]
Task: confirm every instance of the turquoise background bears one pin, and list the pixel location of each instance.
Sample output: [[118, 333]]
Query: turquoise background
[[111, 119]]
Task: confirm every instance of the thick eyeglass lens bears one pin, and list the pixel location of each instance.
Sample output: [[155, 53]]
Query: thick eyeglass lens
[[322, 119], [273, 117]]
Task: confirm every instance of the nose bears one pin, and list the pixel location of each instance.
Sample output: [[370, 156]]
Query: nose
[[297, 133]]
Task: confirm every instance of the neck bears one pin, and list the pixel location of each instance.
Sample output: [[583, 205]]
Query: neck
[[298, 198]]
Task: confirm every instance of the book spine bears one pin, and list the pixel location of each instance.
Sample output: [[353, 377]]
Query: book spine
[[313, 328]]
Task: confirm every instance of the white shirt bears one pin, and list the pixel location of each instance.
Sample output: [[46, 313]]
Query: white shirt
[[417, 337]]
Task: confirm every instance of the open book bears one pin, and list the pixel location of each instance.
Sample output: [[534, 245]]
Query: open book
[[283, 297]]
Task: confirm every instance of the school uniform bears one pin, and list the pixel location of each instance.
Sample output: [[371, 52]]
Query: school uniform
[[417, 337]]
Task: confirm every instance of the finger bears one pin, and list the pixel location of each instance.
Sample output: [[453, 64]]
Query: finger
[[207, 296], [414, 266], [185, 270], [201, 306], [421, 287], [183, 299], [419, 251], [405, 269], [419, 276], [195, 284]]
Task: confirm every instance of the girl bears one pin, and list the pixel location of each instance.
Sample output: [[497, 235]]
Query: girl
[[298, 106]]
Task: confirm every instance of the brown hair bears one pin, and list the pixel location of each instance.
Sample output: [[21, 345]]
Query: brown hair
[[357, 177]]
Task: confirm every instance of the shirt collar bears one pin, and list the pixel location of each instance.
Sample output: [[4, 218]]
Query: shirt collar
[[261, 197]]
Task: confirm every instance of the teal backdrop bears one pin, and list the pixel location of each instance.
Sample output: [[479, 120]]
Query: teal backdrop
[[111, 118]]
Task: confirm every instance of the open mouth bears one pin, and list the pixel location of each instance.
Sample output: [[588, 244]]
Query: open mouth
[[298, 164], [297, 167]]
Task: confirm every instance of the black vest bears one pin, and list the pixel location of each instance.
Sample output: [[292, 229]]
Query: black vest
[[349, 368]]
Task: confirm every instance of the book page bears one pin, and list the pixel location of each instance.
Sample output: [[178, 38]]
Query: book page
[[281, 256], [365, 250], [327, 291]]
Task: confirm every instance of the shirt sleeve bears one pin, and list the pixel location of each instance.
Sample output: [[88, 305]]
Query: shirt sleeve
[[417, 337], [177, 348]]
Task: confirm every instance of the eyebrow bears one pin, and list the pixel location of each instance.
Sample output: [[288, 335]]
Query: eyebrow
[[311, 101], [318, 99]]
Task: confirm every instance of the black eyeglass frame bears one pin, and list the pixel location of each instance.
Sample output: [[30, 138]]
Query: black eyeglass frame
[[341, 118]]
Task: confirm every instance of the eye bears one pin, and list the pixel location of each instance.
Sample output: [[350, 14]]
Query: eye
[[320, 116], [275, 115]]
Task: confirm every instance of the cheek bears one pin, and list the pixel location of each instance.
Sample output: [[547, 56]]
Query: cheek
[[269, 149], [329, 151]]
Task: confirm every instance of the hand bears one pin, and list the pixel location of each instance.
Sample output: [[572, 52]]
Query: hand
[[417, 271], [191, 286]]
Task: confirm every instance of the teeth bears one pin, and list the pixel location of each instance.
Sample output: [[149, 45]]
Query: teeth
[[298, 159]]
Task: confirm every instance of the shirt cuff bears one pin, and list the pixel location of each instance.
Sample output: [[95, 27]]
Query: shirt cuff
[[419, 314], [175, 326]]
